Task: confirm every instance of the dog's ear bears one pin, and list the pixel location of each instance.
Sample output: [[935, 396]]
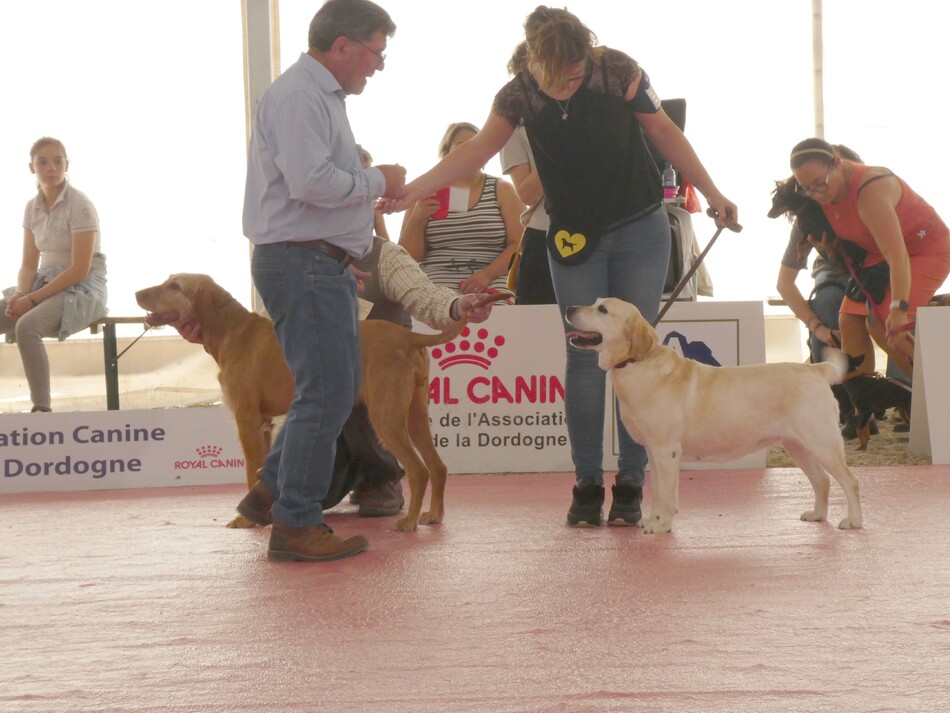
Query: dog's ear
[[205, 295], [854, 362], [785, 198], [643, 338]]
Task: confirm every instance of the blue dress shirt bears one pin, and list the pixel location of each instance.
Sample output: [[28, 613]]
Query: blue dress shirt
[[304, 176]]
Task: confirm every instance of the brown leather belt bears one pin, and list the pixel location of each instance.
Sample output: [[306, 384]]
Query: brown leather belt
[[329, 249]]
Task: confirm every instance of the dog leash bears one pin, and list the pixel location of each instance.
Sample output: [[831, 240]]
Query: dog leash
[[132, 344], [712, 213]]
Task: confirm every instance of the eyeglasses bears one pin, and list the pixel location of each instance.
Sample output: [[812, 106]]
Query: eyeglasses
[[380, 55], [467, 266], [821, 187]]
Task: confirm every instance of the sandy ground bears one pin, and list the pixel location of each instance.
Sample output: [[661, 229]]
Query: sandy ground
[[886, 448]]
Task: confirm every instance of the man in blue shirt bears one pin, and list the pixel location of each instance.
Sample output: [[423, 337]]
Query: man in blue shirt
[[308, 209]]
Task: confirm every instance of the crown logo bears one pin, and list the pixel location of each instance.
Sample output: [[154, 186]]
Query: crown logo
[[206, 451], [468, 348]]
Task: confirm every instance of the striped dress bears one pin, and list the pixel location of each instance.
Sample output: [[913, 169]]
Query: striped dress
[[463, 243]]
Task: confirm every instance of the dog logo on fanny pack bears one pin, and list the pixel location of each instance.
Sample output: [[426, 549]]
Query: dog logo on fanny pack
[[568, 244]]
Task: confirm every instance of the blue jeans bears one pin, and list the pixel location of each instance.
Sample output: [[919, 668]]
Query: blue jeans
[[825, 303], [629, 263], [312, 300]]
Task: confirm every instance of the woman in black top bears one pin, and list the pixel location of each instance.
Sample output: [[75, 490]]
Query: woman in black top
[[584, 108]]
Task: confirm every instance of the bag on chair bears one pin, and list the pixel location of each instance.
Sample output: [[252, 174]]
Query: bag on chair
[[515, 263], [513, 266]]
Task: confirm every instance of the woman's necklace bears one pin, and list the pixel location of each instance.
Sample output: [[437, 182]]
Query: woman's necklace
[[563, 107]]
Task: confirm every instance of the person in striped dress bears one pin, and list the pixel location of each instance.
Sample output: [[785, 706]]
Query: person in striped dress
[[468, 250]]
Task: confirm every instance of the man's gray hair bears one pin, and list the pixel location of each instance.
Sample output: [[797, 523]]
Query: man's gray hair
[[356, 19]]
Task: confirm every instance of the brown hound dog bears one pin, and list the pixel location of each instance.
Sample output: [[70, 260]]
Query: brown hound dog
[[257, 384]]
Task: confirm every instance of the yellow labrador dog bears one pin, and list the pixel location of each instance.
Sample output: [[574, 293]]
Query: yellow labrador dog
[[682, 410]]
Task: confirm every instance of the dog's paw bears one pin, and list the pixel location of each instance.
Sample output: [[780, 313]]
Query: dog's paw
[[431, 518], [241, 522], [851, 523], [406, 524], [656, 525], [813, 516]]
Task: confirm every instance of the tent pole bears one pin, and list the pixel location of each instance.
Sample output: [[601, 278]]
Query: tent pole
[[818, 64]]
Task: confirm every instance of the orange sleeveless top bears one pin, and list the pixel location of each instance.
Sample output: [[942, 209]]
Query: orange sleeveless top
[[922, 228]]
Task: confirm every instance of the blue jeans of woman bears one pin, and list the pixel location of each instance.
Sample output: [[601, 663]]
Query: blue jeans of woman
[[312, 300], [825, 302], [629, 263]]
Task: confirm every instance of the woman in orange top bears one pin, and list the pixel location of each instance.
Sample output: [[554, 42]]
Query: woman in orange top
[[874, 209]]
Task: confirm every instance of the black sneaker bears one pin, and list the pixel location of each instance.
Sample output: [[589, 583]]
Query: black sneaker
[[625, 508], [587, 508]]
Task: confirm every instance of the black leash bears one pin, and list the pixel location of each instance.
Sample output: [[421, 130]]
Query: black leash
[[119, 355], [695, 266]]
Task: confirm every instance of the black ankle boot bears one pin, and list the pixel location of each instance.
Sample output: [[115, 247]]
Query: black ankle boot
[[625, 508], [587, 508]]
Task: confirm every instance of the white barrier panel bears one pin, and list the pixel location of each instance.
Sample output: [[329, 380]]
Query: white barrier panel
[[497, 391], [930, 407], [497, 406], [107, 450]]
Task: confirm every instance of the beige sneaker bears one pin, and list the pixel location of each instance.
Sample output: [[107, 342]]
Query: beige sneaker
[[311, 544]]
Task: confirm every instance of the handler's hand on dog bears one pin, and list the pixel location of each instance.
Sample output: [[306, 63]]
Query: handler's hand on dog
[[361, 278], [828, 336], [822, 245], [190, 330], [472, 307]]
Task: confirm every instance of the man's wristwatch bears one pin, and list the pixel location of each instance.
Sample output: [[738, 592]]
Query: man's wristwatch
[[901, 305]]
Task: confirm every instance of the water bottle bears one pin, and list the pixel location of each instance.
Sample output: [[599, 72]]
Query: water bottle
[[670, 189]]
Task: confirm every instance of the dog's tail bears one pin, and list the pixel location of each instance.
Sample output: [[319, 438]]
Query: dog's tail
[[836, 365], [453, 330]]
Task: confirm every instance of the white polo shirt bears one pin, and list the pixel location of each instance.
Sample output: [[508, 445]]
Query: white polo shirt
[[53, 230]]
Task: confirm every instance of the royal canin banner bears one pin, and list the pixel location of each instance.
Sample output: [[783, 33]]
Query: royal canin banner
[[107, 450]]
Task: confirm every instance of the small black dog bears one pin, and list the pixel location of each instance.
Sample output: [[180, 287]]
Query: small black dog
[[811, 220], [788, 200], [875, 393]]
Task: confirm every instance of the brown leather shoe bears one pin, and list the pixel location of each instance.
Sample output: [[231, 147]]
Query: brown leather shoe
[[256, 504], [311, 544], [381, 499]]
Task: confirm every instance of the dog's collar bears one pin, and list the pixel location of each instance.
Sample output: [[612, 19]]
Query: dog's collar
[[622, 364]]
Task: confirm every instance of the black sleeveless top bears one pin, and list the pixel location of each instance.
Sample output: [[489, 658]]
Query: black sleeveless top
[[594, 166]]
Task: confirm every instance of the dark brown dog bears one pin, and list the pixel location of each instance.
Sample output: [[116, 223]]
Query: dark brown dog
[[807, 214], [813, 223], [257, 384], [874, 394]]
